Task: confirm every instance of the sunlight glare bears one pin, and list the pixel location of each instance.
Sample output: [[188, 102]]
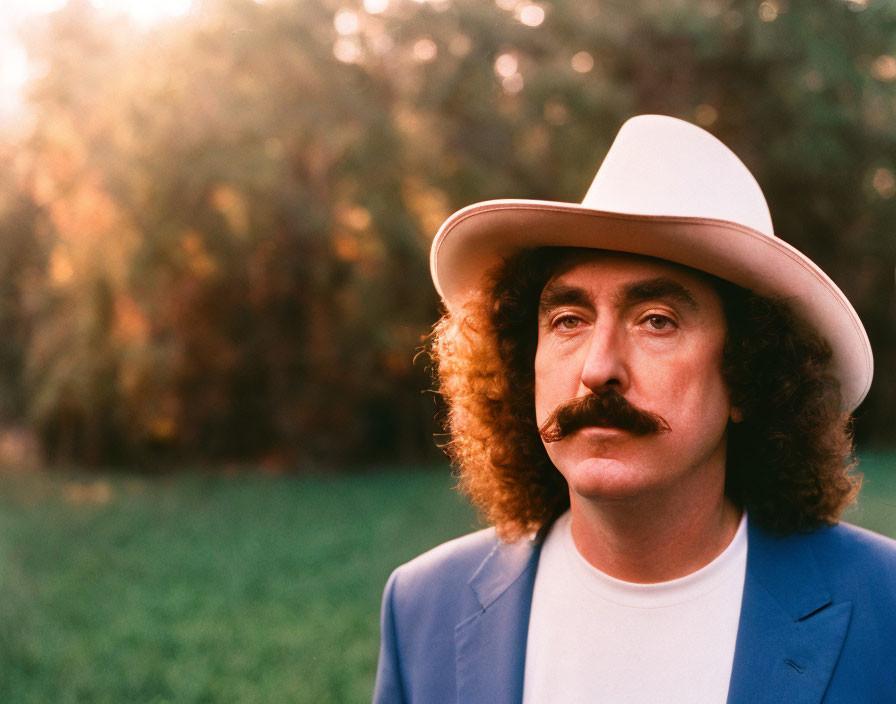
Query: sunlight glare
[[884, 68], [375, 7], [425, 49], [14, 74], [768, 11], [582, 62], [506, 65], [45, 6], [146, 14], [347, 51], [531, 15], [512, 84], [346, 22], [884, 183], [706, 114]]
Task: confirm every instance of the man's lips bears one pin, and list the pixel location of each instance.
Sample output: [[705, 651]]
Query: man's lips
[[601, 430]]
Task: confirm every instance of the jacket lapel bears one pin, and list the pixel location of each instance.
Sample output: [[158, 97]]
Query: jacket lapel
[[790, 632], [491, 644]]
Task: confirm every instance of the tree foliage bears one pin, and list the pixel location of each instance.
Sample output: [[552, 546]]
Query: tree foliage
[[216, 230]]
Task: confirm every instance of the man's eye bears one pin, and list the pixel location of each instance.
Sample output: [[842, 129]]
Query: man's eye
[[659, 322], [567, 322]]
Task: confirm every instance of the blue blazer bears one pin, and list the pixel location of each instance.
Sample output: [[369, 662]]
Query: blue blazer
[[817, 623]]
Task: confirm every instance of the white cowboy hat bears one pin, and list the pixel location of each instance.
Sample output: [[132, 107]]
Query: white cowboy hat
[[671, 190]]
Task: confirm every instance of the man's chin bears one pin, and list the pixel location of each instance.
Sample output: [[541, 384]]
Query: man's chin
[[597, 466]]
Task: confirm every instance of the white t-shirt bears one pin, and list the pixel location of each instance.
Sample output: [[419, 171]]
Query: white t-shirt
[[593, 638]]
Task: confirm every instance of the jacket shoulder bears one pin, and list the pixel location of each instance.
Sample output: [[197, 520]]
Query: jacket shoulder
[[857, 560], [446, 566], [859, 547]]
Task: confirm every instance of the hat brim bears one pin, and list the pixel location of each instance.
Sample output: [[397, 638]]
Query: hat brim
[[478, 237]]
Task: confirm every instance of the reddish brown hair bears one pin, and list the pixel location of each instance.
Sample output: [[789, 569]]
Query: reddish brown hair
[[789, 460]]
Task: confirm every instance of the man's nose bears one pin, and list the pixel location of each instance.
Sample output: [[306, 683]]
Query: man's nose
[[605, 365]]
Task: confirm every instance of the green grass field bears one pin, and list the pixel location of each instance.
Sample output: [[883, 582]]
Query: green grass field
[[243, 589]]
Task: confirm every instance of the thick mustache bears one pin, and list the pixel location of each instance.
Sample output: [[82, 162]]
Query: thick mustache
[[606, 410]]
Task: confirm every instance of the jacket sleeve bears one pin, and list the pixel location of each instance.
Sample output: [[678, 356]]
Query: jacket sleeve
[[389, 688]]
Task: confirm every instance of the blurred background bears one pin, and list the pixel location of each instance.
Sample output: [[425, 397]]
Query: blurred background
[[215, 218]]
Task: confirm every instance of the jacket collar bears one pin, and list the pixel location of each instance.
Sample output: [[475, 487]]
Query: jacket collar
[[491, 643], [791, 632]]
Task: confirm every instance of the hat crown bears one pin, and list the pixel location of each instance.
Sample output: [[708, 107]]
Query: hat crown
[[661, 165]]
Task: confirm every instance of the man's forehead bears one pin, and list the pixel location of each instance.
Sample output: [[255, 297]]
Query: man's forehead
[[573, 259], [635, 290]]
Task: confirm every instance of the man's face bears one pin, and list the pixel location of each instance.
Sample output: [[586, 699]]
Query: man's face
[[654, 332]]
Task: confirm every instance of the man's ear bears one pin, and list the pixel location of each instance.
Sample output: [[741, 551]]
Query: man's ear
[[735, 415]]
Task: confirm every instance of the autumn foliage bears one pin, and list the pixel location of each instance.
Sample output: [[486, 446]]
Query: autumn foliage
[[215, 231]]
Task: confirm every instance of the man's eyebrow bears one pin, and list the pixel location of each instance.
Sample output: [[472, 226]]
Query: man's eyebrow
[[660, 287], [558, 294]]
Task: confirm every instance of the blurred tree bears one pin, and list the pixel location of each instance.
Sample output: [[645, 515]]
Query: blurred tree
[[219, 227], [22, 262]]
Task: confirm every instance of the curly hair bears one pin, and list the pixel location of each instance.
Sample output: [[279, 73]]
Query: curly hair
[[789, 461]]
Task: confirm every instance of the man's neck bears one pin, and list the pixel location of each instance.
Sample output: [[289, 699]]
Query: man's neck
[[653, 539]]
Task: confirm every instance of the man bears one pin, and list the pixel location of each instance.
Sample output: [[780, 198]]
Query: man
[[649, 396]]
